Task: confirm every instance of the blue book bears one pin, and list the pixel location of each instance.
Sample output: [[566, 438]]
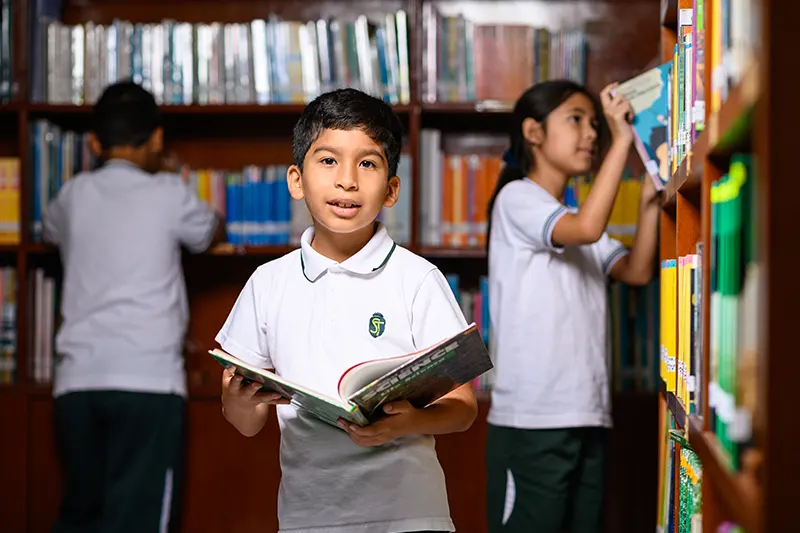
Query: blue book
[[648, 94]]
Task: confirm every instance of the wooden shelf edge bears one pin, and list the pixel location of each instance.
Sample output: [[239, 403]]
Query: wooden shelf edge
[[227, 249], [669, 14], [742, 505], [481, 107], [674, 405], [729, 127], [688, 179], [457, 253], [196, 109]]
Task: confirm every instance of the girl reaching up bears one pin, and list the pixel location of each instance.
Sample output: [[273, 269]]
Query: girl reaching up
[[548, 269]]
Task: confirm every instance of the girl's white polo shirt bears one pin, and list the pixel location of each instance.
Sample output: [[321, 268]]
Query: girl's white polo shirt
[[548, 309], [309, 318]]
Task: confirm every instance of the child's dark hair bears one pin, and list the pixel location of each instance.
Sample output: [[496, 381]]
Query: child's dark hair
[[125, 115], [349, 109], [537, 103]]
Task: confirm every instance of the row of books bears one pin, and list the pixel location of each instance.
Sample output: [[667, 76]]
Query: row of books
[[258, 210], [680, 348], [669, 100], [8, 325], [460, 173], [687, 83], [734, 308], [633, 339], [263, 61], [7, 14], [56, 156], [681, 510], [474, 304], [726, 59], [733, 50], [465, 61]]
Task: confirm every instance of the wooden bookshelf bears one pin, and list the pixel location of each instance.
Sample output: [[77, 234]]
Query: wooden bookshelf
[[752, 119], [237, 135]]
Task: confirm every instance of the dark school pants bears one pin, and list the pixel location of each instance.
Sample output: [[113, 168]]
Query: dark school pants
[[121, 461], [558, 478]]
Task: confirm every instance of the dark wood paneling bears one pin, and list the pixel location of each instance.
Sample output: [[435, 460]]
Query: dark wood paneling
[[44, 476], [104, 11], [222, 461], [13, 460]]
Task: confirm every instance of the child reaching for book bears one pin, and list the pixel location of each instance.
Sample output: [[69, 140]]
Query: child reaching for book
[[120, 384], [349, 294], [548, 269]]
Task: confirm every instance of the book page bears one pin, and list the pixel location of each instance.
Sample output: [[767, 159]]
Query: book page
[[325, 408], [429, 376]]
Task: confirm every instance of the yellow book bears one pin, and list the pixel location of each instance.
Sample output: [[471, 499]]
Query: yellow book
[[671, 323], [9, 201]]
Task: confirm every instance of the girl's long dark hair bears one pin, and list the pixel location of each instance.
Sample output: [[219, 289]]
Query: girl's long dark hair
[[536, 103]]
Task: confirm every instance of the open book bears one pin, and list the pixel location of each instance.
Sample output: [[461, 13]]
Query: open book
[[421, 378]]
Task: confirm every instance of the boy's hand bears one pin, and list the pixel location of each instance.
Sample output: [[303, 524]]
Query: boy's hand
[[235, 395], [619, 113], [402, 419]]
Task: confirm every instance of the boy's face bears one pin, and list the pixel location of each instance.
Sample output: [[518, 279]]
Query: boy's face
[[344, 181]]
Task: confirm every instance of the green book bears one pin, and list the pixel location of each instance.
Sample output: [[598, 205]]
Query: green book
[[420, 378]]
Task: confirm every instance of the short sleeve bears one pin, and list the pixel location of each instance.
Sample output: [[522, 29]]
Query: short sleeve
[[54, 221], [436, 314], [244, 333], [526, 216], [196, 220], [609, 251]]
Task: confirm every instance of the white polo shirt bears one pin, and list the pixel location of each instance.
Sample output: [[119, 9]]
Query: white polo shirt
[[119, 230], [309, 317], [548, 309]]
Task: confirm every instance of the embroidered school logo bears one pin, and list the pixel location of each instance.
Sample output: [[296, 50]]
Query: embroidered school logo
[[377, 324]]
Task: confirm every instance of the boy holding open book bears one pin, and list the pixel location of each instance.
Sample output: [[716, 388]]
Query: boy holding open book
[[349, 294]]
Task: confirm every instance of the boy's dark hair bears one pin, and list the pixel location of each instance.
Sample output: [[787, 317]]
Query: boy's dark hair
[[348, 109], [537, 103], [125, 115]]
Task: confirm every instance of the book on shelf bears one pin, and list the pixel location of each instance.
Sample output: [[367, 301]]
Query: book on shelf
[[9, 200], [8, 324], [648, 94], [420, 378]]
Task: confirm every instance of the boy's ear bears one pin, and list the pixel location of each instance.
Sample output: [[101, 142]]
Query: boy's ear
[[392, 192], [157, 140], [294, 180], [94, 144], [532, 131]]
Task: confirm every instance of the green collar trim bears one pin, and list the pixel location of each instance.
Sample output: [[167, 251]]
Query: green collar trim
[[383, 263]]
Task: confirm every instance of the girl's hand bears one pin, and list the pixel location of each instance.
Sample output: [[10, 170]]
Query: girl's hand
[[619, 113]]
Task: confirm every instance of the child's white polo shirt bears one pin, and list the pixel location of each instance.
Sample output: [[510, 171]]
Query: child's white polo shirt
[[548, 308], [119, 230], [309, 318]]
